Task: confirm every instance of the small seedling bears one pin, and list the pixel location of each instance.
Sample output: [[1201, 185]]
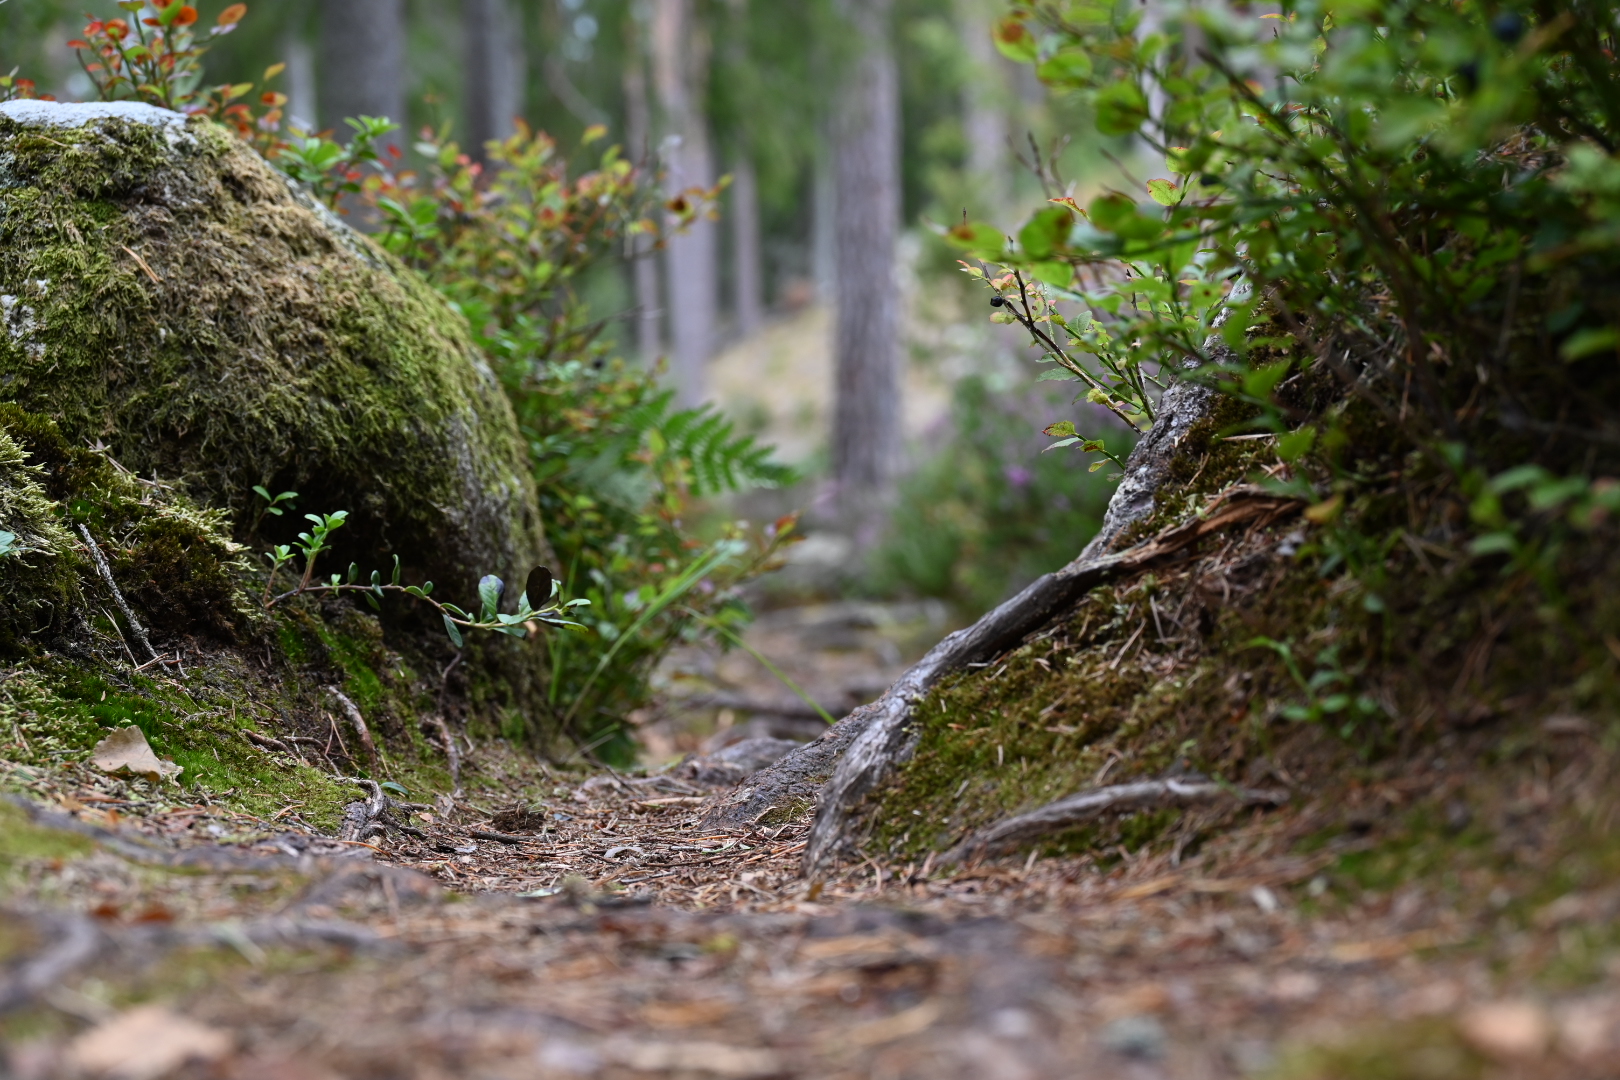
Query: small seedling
[[552, 610]]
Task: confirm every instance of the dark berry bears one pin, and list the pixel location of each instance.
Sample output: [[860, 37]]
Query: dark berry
[[1508, 27], [996, 301]]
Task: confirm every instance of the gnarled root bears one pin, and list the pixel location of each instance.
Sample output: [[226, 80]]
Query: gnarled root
[[1080, 808]]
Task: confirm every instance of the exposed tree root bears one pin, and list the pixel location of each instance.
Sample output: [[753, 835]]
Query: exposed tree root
[[1080, 808], [844, 766]]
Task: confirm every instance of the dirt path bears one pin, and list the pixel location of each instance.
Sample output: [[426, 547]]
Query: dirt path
[[664, 951]]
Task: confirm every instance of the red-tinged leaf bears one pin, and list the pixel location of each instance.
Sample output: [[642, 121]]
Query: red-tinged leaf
[[273, 99], [1059, 429], [187, 16], [232, 15], [117, 29], [1014, 40], [151, 22], [94, 27], [77, 44]]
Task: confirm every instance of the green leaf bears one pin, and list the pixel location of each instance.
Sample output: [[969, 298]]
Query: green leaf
[[490, 588], [1059, 429], [1296, 444], [1260, 382], [395, 788], [1110, 211], [354, 572], [1496, 543], [396, 570], [1164, 192], [1593, 339], [371, 599], [1046, 231], [1066, 67], [454, 631], [1014, 39], [1121, 107]]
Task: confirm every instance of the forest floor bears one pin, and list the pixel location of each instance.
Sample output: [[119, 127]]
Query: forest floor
[[1434, 919]]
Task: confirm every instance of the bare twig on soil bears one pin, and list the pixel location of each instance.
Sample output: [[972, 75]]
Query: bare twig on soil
[[105, 571]]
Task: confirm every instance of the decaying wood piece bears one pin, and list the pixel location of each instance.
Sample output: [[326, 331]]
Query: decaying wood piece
[[1082, 807], [844, 765]]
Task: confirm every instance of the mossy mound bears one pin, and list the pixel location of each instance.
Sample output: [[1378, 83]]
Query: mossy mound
[[39, 582], [1259, 661], [168, 294]]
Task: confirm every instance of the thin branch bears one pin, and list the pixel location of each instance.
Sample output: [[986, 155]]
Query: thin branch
[[100, 560]]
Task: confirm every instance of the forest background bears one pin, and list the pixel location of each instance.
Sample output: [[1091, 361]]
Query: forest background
[[815, 303]]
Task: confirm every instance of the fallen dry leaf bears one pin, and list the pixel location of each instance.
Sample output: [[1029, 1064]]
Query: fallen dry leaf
[[127, 751], [1506, 1029], [145, 1043]]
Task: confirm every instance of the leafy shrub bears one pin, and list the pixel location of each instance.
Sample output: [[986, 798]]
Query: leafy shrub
[[990, 512], [615, 464], [1416, 196]]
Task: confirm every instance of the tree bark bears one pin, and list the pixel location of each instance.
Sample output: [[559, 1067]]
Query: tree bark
[[680, 66], [638, 139], [494, 75], [866, 167], [748, 274], [363, 64]]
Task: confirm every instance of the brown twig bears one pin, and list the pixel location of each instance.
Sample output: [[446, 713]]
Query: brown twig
[[105, 571]]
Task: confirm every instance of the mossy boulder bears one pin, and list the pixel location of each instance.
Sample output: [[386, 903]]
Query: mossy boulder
[[166, 293], [39, 582]]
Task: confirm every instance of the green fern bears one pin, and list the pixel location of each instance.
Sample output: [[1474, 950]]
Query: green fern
[[717, 459]]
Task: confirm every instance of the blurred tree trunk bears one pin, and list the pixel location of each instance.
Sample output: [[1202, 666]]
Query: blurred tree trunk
[[747, 269], [866, 166], [363, 69], [984, 110], [680, 51], [302, 108], [638, 145], [494, 75], [823, 228]]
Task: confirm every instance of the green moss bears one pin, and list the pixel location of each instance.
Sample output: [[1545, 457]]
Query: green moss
[[1427, 1049], [268, 344], [39, 583], [21, 839]]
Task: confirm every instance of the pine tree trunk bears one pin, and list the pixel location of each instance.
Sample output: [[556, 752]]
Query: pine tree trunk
[[363, 64], [747, 269], [866, 162], [638, 145], [494, 74], [680, 66]]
